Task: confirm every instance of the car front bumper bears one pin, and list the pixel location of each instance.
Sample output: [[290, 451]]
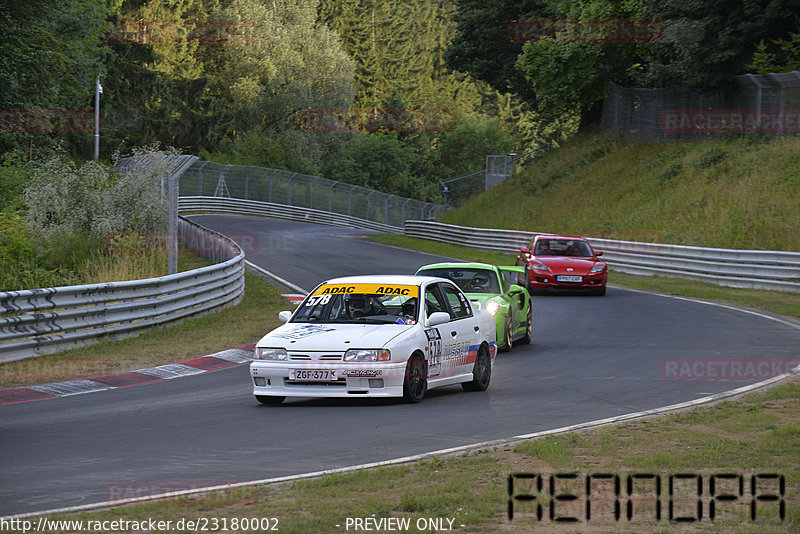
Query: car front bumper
[[547, 281], [365, 379]]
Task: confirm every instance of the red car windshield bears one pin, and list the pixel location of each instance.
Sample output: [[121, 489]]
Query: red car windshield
[[562, 247]]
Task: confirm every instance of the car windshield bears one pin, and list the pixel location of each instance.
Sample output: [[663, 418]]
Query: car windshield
[[469, 280], [562, 247], [359, 304]]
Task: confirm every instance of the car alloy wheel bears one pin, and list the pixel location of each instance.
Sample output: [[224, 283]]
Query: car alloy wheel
[[415, 383], [508, 340], [528, 327], [481, 371]]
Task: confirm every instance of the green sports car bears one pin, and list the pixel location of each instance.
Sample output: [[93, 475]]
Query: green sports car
[[500, 290]]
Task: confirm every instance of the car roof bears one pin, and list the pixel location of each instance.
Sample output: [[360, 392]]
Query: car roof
[[463, 265], [555, 236], [402, 279]]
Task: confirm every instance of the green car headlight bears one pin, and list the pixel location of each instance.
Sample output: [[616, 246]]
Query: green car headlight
[[262, 353], [492, 307], [367, 355]]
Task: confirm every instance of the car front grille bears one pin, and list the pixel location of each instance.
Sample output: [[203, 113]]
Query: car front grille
[[315, 356]]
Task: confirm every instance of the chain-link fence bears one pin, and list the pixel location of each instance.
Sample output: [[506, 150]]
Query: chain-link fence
[[756, 103], [208, 178], [499, 168]]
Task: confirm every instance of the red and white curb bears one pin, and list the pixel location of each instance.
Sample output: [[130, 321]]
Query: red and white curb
[[219, 360]]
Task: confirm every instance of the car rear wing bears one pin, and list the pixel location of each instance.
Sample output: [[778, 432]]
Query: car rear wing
[[515, 274]]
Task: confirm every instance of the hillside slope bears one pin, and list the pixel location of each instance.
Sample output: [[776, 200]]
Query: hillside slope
[[732, 193]]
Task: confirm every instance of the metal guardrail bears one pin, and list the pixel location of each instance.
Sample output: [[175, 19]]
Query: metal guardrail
[[280, 211], [42, 321], [758, 269]]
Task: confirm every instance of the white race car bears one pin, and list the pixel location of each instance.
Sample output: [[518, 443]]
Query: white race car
[[376, 336]]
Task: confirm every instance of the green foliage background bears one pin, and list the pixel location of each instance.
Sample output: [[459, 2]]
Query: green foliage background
[[240, 97]]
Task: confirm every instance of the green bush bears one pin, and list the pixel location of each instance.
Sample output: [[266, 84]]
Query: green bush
[[13, 179], [21, 257]]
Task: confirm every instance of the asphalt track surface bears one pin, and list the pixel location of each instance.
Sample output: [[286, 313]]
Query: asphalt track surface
[[591, 358]]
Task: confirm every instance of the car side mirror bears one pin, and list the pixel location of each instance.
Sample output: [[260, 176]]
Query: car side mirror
[[525, 250], [599, 253], [438, 318], [284, 316]]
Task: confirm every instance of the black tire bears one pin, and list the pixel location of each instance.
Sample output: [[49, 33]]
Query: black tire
[[269, 399], [415, 383], [481, 372], [508, 341], [600, 293], [528, 327]]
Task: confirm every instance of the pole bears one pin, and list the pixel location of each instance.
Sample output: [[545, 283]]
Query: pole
[[98, 89], [172, 232]]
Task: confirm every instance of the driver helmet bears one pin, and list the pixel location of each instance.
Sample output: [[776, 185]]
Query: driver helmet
[[356, 305], [409, 306], [478, 281]]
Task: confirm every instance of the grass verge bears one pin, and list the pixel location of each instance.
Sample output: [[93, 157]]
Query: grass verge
[[777, 302], [738, 192], [751, 435], [239, 325]]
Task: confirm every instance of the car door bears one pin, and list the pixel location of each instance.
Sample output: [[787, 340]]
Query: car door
[[461, 336], [514, 292], [433, 301]]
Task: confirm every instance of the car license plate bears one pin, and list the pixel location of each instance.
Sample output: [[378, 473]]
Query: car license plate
[[569, 278], [312, 375]]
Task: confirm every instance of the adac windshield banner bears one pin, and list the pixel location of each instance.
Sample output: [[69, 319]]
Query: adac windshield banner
[[369, 289]]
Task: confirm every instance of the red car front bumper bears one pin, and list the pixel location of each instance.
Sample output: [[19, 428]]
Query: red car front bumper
[[549, 281]]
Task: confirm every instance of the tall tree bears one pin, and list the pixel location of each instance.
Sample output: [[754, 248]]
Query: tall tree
[[294, 63], [399, 50], [708, 42], [484, 45]]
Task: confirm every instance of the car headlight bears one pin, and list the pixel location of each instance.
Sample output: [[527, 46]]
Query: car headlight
[[492, 307], [263, 353], [539, 267], [367, 355], [597, 267]]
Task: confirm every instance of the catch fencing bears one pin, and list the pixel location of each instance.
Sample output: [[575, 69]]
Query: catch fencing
[[768, 104], [43, 321], [759, 269], [211, 179], [280, 211], [499, 168]]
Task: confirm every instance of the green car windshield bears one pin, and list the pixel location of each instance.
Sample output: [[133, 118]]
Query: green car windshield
[[469, 280]]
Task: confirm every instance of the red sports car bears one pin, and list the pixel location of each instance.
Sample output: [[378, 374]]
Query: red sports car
[[562, 263]]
